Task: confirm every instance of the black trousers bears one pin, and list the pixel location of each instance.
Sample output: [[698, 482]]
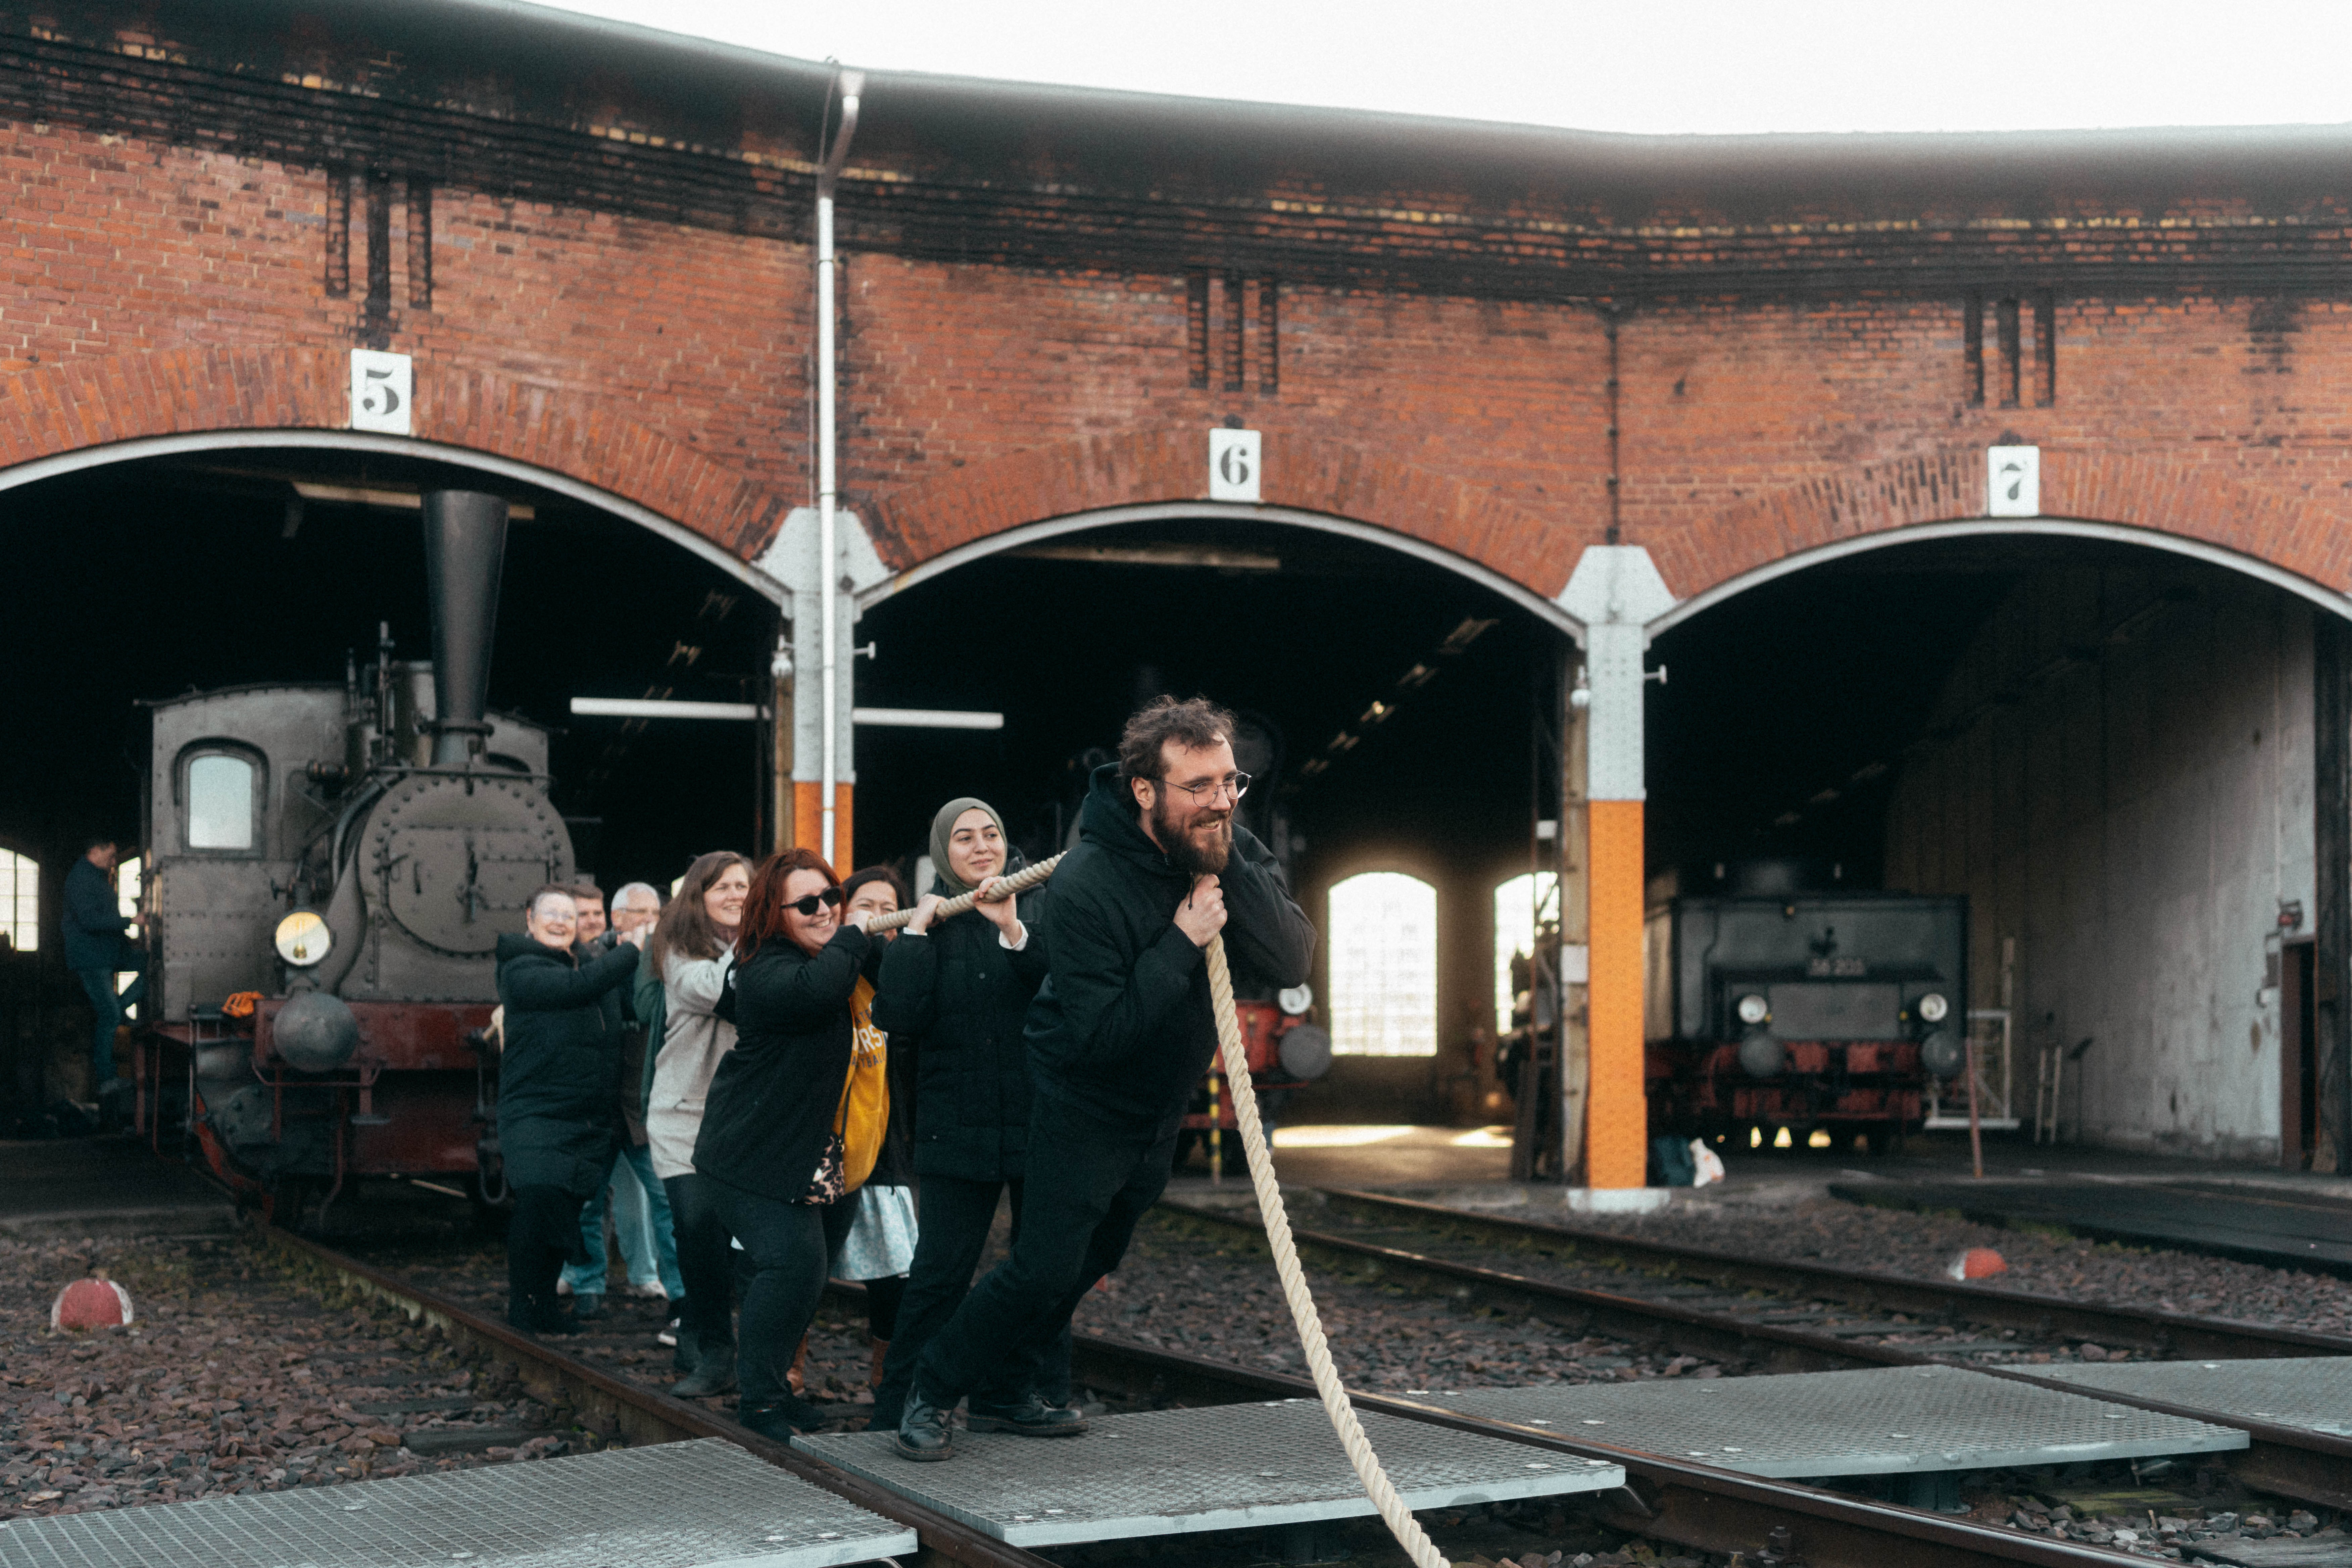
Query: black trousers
[[792, 1247], [706, 1259], [957, 1216], [1089, 1181], [883, 1297], [543, 1235]]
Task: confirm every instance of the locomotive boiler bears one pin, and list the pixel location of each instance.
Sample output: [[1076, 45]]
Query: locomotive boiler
[[329, 869], [1781, 1008]]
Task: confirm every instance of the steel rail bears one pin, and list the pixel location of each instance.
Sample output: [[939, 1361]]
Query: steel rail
[[2182, 1334], [1672, 1499], [2292, 1461], [606, 1404]]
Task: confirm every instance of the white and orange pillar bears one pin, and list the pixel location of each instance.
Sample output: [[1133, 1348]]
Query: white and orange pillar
[[791, 559], [1615, 591]]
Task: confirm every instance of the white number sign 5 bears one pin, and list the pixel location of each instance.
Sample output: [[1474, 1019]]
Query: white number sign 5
[[382, 392]]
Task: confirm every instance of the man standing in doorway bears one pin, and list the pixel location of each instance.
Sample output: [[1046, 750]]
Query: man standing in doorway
[[96, 950], [1118, 1036]]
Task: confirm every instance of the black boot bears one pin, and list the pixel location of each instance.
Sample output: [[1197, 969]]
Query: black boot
[[767, 1420], [778, 1419], [924, 1434], [714, 1372], [538, 1315], [1029, 1415]]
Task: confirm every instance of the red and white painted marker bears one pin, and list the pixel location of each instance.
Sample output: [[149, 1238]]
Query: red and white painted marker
[[94, 1303], [1977, 1263]]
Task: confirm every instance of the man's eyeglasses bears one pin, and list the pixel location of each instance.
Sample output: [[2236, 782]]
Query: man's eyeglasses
[[810, 905], [1236, 784]]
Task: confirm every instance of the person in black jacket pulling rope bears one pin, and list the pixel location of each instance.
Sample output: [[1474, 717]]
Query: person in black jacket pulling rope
[[1118, 1036], [795, 1115], [559, 1095], [955, 993]]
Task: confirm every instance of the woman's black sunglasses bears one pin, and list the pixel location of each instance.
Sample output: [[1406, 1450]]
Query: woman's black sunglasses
[[808, 906]]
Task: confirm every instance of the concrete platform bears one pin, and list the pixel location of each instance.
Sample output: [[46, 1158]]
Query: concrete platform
[[676, 1505], [1382, 1156], [1882, 1421], [2281, 1225], [104, 1186], [2313, 1393], [1175, 1472]]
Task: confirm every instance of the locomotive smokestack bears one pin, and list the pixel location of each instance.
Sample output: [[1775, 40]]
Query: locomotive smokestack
[[465, 545]]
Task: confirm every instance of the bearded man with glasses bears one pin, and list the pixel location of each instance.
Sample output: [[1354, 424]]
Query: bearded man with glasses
[[1118, 1036]]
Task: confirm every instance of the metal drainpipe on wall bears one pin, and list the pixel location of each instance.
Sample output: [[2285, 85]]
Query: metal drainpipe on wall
[[851, 84]]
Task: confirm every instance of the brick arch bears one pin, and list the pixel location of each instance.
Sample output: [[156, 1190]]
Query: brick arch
[[2203, 507], [1125, 470], [54, 411]]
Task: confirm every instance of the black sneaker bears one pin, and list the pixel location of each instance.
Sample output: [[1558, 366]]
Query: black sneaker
[[585, 1306], [924, 1434], [1028, 1415]]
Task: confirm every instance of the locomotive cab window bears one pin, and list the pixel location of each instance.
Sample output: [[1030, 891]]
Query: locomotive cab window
[[220, 797]]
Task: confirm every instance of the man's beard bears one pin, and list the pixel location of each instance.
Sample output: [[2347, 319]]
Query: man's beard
[[1186, 853]]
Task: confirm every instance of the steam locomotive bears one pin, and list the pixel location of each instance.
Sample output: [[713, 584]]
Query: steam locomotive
[[329, 869], [1782, 1008]]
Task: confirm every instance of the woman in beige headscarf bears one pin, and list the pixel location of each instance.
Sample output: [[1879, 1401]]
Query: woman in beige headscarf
[[954, 993]]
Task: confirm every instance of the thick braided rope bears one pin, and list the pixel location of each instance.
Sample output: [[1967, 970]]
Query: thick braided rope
[[1019, 881], [1393, 1510]]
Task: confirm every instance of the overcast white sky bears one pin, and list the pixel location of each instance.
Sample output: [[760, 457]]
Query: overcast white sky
[[1614, 65]]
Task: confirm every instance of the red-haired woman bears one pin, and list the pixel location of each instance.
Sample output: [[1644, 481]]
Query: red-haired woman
[[782, 1136]]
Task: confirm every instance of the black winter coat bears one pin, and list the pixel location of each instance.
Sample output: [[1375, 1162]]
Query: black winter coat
[[772, 1100], [1123, 1027], [560, 1071], [956, 999]]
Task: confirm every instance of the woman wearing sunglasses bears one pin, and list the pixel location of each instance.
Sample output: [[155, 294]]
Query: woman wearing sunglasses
[[794, 1118]]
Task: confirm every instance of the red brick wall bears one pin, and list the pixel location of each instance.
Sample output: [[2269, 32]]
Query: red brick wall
[[147, 289]]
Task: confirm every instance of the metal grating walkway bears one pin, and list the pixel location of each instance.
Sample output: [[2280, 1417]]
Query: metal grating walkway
[[1880, 1421], [2311, 1392], [1227, 1466], [674, 1505]]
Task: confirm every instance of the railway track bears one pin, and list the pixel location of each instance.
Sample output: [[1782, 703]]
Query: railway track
[[1687, 1504], [1767, 1315]]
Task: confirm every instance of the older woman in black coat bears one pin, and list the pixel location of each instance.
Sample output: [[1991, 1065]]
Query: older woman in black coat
[[955, 991], [559, 1094], [769, 1140]]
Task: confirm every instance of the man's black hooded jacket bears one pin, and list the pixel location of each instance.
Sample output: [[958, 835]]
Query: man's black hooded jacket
[[1122, 1027]]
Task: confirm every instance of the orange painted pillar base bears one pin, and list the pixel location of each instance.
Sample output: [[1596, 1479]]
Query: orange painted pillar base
[[808, 821], [1617, 1117]]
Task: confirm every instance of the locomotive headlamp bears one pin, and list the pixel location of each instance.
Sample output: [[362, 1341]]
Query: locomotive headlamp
[[302, 939], [1295, 1000], [1933, 1007], [1754, 1009]]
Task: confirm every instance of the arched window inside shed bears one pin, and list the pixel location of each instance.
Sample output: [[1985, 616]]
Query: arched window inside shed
[[1383, 967]]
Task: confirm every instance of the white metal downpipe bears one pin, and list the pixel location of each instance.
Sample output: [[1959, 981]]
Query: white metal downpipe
[[852, 83]]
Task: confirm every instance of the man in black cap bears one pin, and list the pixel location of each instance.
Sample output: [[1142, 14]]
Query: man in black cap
[[1118, 1038]]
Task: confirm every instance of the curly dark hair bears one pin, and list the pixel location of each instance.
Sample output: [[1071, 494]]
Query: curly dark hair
[[1195, 723], [764, 906]]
